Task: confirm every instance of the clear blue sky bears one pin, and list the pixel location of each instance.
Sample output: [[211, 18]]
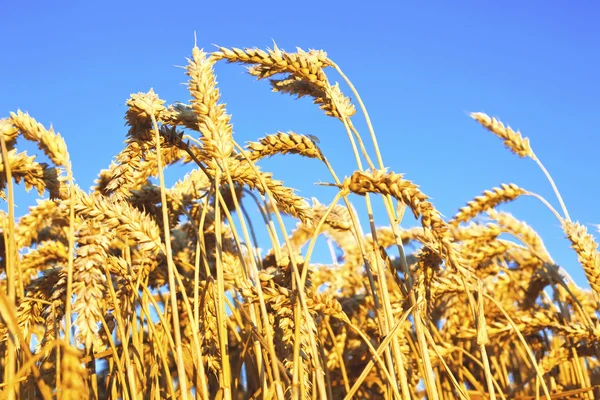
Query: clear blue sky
[[419, 68]]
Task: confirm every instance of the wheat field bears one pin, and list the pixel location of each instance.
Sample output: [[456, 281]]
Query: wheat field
[[136, 290]]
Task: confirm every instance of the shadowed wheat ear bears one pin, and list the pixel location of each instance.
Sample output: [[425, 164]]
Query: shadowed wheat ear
[[519, 145], [35, 175], [333, 102]]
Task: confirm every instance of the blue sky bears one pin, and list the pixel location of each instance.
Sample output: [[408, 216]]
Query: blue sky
[[420, 68]]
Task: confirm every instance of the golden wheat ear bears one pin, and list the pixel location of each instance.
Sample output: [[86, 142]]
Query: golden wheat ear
[[518, 145]]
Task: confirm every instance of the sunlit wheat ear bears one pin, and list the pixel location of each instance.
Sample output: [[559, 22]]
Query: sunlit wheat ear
[[305, 65], [210, 327], [305, 75], [489, 199], [51, 143], [121, 217], [89, 282], [587, 252], [119, 177], [512, 140], [284, 143], [213, 120], [393, 184], [136, 163]]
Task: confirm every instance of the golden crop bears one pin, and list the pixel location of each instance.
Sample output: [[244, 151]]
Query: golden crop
[[170, 289]]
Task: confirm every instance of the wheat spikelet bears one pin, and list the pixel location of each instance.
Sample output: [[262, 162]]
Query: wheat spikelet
[[378, 181], [130, 171], [210, 328], [555, 357], [489, 199], [141, 107], [192, 186], [338, 218], [512, 140], [281, 301], [29, 313], [148, 166], [50, 287], [386, 237]]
